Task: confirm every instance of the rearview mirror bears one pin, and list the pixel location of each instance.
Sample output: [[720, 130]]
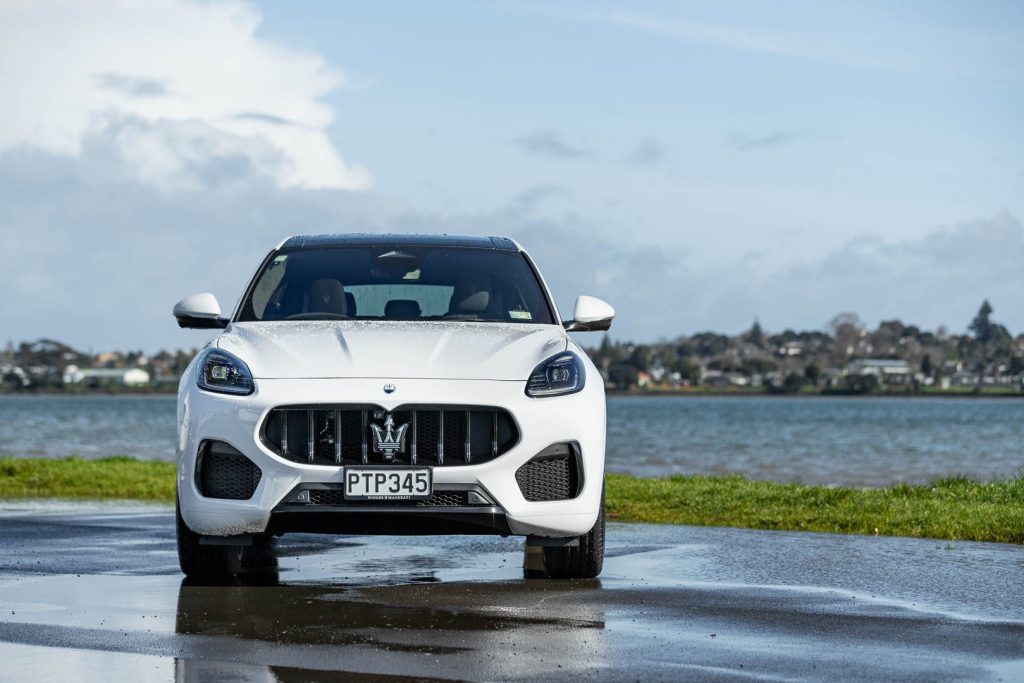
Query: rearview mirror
[[590, 314], [200, 312]]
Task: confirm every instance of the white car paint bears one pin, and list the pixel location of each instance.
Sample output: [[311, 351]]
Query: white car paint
[[405, 349]]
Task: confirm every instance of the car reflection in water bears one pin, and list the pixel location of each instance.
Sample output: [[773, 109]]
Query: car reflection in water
[[260, 628]]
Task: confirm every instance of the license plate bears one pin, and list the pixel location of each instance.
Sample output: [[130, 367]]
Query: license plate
[[388, 483]]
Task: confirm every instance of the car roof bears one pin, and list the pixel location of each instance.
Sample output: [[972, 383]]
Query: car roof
[[366, 239]]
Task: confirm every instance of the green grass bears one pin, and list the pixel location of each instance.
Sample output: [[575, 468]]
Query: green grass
[[118, 477], [951, 509]]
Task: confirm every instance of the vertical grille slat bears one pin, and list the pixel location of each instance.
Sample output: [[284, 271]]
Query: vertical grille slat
[[415, 435], [366, 455], [340, 435], [494, 435], [311, 435], [284, 433], [440, 439], [337, 437]]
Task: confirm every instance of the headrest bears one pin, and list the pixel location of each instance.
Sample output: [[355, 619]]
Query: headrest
[[474, 303], [402, 309], [350, 304], [471, 295], [327, 296]]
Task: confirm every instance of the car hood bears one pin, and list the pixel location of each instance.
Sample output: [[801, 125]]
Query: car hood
[[392, 350]]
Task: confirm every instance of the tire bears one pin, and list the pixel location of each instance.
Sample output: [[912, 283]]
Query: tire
[[583, 561], [221, 562]]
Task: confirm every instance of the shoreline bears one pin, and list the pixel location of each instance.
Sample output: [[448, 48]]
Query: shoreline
[[985, 393], [815, 395]]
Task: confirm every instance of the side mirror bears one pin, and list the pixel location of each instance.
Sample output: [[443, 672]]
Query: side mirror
[[590, 315], [200, 312]]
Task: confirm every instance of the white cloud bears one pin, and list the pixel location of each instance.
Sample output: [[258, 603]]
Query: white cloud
[[180, 82], [96, 256], [132, 132]]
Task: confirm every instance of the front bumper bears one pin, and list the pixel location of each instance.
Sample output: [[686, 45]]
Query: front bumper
[[235, 420]]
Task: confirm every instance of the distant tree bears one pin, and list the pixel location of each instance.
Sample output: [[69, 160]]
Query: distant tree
[[758, 366], [843, 320], [981, 326], [604, 354], [11, 382], [887, 338], [640, 358], [859, 384], [926, 366], [994, 340], [755, 335], [847, 328], [790, 385], [892, 328], [707, 344], [622, 375], [1016, 366], [812, 373], [783, 337], [688, 371]]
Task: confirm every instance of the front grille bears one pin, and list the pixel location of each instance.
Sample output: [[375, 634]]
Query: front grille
[[223, 472], [551, 475], [437, 499], [433, 435]]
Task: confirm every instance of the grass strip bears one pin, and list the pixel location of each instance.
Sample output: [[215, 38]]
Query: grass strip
[[115, 478], [956, 508], [953, 509]]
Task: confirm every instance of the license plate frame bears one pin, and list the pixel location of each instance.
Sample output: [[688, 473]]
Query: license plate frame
[[399, 482]]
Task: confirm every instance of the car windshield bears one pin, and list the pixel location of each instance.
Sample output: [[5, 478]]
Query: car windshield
[[397, 283]]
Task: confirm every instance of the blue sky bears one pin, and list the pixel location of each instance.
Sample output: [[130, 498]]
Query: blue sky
[[785, 161], [823, 119]]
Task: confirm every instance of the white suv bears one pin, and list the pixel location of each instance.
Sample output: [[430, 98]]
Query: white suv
[[391, 384]]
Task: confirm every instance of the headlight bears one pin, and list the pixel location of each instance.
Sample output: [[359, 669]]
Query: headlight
[[558, 375], [224, 373]]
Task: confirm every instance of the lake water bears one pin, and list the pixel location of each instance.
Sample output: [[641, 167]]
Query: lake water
[[847, 441]]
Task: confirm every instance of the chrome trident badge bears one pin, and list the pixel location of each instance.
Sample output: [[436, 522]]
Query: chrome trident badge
[[388, 440]]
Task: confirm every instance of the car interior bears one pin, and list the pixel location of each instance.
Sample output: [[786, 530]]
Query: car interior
[[394, 286]]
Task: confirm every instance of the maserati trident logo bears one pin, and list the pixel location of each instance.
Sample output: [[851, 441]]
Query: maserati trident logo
[[387, 439], [389, 388]]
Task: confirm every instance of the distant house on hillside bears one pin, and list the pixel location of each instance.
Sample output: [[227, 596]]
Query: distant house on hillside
[[718, 379], [964, 378], [887, 371], [131, 377], [13, 376], [791, 348]]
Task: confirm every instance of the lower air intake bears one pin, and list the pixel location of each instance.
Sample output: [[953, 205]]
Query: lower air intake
[[336, 497], [226, 473], [553, 474]]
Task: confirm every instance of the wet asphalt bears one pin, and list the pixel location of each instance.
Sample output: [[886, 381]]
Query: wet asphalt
[[93, 593]]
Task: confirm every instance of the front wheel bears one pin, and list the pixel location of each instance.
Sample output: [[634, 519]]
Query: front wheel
[[219, 562], [581, 561]]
